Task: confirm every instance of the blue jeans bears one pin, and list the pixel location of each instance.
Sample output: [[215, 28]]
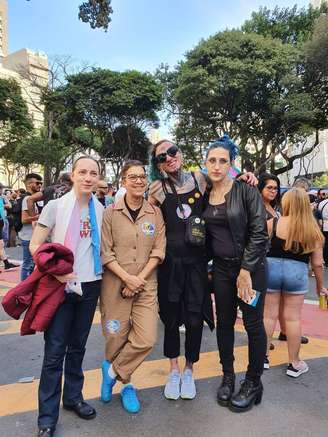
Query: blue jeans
[[66, 338], [28, 263]]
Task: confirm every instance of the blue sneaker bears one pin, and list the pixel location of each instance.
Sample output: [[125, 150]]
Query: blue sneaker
[[129, 399], [107, 383]]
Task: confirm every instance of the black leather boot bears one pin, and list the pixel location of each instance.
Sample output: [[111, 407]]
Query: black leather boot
[[249, 394], [226, 389]]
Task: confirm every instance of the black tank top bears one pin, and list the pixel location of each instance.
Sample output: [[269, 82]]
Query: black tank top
[[277, 248], [192, 203]]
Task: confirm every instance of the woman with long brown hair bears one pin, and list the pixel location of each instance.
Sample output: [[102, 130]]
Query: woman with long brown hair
[[295, 240]]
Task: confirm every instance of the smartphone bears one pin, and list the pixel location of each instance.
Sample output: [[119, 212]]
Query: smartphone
[[254, 299]]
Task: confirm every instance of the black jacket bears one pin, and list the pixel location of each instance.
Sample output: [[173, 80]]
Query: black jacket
[[247, 221]]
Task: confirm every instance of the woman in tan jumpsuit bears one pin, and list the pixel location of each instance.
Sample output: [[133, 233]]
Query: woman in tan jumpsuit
[[133, 244]]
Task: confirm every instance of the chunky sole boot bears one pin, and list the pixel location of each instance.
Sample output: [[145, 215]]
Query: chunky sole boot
[[249, 394], [226, 389]]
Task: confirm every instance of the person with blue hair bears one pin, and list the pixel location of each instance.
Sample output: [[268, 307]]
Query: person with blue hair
[[182, 278], [237, 237]]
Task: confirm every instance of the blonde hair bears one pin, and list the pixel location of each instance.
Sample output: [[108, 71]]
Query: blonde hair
[[303, 230]]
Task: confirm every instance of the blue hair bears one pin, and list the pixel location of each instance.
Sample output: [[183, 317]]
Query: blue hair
[[153, 173], [226, 143]]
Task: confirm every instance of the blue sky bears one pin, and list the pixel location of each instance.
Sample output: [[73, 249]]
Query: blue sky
[[143, 33]]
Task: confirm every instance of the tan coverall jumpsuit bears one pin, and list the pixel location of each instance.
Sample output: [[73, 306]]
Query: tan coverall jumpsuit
[[130, 324]]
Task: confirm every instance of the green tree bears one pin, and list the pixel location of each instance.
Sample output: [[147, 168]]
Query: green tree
[[116, 109], [96, 12], [122, 144], [316, 64], [290, 25], [246, 85], [15, 123]]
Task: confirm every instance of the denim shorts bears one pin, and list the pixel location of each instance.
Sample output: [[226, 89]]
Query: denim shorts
[[287, 276]]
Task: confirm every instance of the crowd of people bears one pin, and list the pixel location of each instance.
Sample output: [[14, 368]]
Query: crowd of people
[[147, 250]]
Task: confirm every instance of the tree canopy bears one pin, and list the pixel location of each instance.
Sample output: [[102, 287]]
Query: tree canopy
[[246, 85], [289, 25], [97, 13], [254, 84], [15, 122]]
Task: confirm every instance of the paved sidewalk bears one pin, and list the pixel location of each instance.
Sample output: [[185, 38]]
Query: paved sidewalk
[[289, 407]]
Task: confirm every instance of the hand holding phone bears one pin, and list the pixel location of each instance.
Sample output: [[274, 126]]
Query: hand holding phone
[[254, 299]]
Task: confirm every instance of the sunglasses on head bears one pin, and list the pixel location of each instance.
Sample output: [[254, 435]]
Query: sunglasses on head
[[161, 157]]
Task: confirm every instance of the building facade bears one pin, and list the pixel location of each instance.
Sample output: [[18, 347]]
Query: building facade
[[30, 70]]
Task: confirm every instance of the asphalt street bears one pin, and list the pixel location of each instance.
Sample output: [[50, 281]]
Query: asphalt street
[[289, 407]]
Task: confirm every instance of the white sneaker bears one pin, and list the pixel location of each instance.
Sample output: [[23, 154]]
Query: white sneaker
[[296, 370], [172, 387], [188, 388], [266, 364]]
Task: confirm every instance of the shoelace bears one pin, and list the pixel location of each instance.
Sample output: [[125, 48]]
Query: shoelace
[[228, 379], [175, 378], [246, 386], [187, 377]]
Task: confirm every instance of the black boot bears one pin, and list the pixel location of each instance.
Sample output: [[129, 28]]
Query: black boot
[[250, 393], [226, 389]]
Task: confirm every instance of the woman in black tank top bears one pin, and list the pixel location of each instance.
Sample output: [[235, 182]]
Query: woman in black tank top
[[182, 278], [295, 239]]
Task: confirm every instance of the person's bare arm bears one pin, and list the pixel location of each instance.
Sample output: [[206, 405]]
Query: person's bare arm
[[31, 200], [27, 219], [317, 267], [39, 236]]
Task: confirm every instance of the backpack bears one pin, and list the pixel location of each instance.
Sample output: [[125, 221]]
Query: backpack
[[16, 212]]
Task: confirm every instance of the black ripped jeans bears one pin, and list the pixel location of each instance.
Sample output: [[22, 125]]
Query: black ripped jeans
[[224, 276]]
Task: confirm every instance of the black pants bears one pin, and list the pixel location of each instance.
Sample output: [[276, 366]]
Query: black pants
[[66, 338], [194, 329], [325, 248], [226, 299]]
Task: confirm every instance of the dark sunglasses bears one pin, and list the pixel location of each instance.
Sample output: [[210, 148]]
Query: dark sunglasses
[[161, 158]]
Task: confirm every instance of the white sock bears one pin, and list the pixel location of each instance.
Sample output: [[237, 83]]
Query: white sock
[[126, 385], [111, 372]]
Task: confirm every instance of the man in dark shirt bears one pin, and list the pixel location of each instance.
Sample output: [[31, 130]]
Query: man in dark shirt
[[62, 187]]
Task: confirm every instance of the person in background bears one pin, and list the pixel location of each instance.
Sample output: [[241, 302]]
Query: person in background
[[4, 207], [73, 220], [33, 183], [133, 244], [119, 194], [323, 222], [103, 195], [295, 239], [237, 235], [321, 195], [111, 194], [303, 183], [11, 220], [269, 186], [63, 186]]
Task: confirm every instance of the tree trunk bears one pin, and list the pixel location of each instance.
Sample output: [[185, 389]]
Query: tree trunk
[[47, 176]]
